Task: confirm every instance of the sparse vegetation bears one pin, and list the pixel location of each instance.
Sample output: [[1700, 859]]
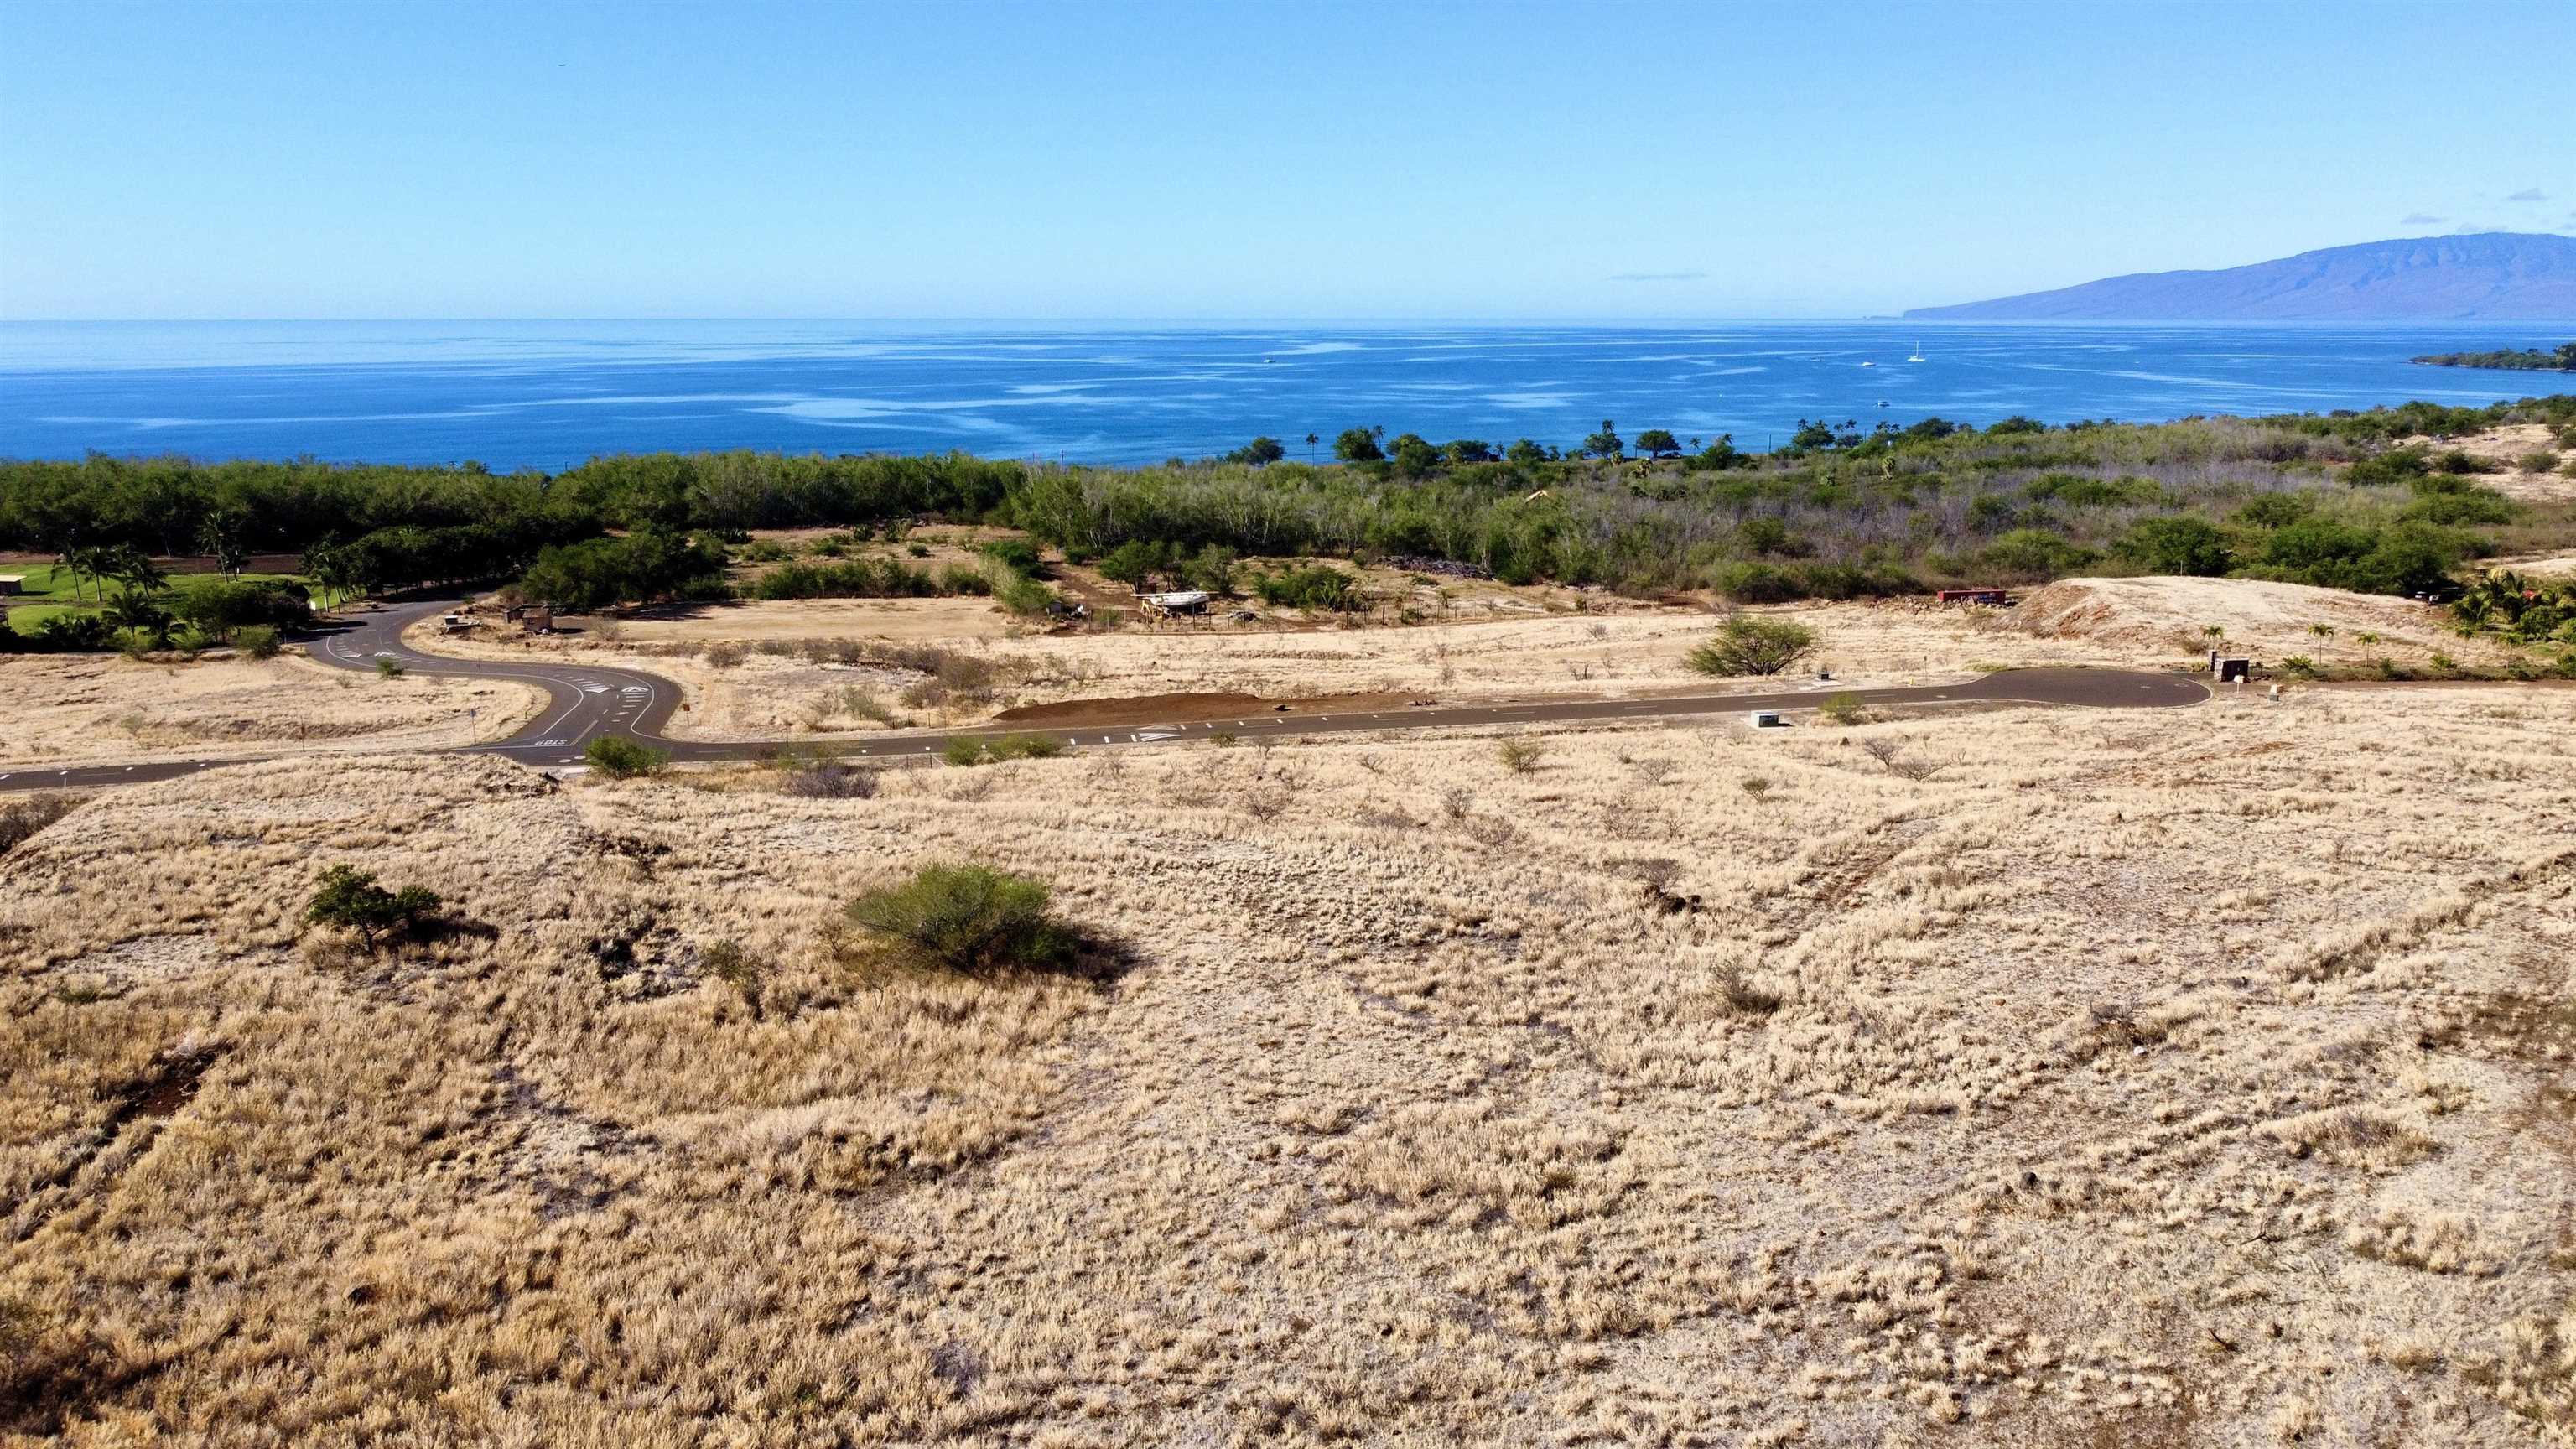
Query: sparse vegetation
[[22, 816], [620, 758], [1520, 754], [348, 898]]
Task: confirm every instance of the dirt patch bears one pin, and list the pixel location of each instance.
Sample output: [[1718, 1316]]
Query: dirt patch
[[1192, 708], [2168, 618]]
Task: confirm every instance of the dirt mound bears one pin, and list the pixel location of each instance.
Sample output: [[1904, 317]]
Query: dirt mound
[[2161, 617]]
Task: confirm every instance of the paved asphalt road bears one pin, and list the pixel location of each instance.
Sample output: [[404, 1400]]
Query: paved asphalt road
[[585, 702]]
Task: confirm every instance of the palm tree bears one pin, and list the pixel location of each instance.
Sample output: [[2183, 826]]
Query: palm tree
[[143, 613]]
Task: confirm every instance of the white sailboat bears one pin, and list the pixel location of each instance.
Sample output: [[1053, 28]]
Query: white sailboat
[[1918, 353]]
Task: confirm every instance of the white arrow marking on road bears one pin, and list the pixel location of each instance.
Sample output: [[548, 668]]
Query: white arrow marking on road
[[1149, 736]]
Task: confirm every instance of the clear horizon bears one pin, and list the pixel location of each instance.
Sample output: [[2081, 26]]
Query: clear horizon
[[1188, 164]]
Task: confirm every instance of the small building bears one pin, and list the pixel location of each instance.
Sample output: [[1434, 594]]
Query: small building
[[533, 618], [13, 583], [2230, 671]]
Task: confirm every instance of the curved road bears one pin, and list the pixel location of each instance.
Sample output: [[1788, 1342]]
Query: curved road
[[583, 703]]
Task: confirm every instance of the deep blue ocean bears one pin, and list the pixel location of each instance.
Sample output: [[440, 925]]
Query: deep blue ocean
[[549, 394]]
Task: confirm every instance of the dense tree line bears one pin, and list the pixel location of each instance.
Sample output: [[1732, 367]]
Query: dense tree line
[[1839, 511], [2516, 359]]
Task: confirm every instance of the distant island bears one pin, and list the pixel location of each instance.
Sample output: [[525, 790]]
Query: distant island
[[2513, 359], [2489, 277]]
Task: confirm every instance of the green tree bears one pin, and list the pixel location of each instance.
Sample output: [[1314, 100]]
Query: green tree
[[970, 919], [1469, 450], [350, 899], [1753, 645], [2179, 545], [1358, 445], [142, 614], [1260, 452], [1414, 456], [1524, 450], [1658, 443], [1605, 443]]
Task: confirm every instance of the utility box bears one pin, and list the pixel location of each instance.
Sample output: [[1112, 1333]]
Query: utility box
[[13, 583], [1764, 719], [2231, 671]]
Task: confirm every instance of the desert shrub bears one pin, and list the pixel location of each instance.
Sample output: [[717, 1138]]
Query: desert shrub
[[1316, 587], [1022, 595], [1520, 754], [2540, 462], [960, 578], [830, 780], [388, 669], [1750, 645], [24, 815], [1025, 747], [350, 899], [963, 751], [1016, 554], [620, 758], [1843, 709], [257, 641], [864, 704], [969, 919], [726, 653]]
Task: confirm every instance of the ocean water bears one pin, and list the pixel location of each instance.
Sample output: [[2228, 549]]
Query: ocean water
[[549, 394]]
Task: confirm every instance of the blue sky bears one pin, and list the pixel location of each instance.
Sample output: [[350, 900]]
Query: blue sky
[[1234, 160]]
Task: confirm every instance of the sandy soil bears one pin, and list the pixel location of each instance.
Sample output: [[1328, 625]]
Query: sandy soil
[[2167, 618], [2194, 1078], [2510, 445], [71, 707]]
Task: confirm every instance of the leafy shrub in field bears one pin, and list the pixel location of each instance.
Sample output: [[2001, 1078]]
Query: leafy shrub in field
[[620, 758], [2179, 545], [220, 609], [2403, 558], [257, 641], [872, 576], [965, 579], [968, 750], [1520, 754], [1016, 554], [1316, 587], [1024, 596], [2032, 553], [1843, 709], [2077, 490], [970, 919], [349, 898], [1750, 645]]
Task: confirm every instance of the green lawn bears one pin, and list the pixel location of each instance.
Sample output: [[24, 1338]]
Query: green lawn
[[48, 591]]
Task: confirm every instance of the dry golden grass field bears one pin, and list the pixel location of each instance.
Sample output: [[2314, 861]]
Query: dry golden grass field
[[2022, 1078], [67, 708]]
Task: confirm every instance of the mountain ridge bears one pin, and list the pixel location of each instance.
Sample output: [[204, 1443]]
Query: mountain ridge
[[2481, 277]]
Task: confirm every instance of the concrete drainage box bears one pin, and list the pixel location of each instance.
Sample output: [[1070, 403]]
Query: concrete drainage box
[[1764, 719]]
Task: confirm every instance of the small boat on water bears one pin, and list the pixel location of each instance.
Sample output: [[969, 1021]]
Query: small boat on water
[[1869, 364], [1918, 353]]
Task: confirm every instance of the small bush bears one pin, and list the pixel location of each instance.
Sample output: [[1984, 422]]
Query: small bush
[[388, 669], [1024, 596], [349, 898], [962, 752], [726, 654], [970, 919], [257, 641], [1843, 709], [831, 780], [1750, 645], [620, 758], [1026, 747], [1521, 753]]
